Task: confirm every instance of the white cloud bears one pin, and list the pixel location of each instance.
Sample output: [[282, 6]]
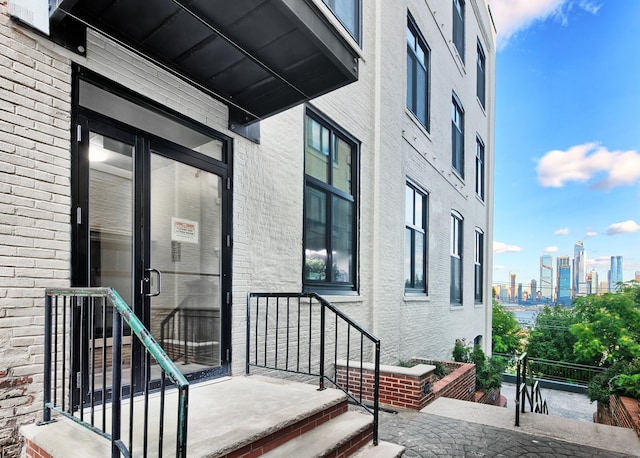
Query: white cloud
[[512, 16], [499, 267], [591, 234], [563, 231], [499, 247], [601, 262], [550, 249], [582, 162], [623, 227]]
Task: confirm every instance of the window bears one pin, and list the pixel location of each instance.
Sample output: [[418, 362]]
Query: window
[[330, 216], [456, 259], [348, 12], [457, 136], [478, 266], [458, 26], [415, 265], [480, 75], [417, 74], [479, 168]]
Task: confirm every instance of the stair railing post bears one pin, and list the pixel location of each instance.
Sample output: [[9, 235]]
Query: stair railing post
[[376, 394], [116, 384], [518, 389], [322, 331], [46, 414]]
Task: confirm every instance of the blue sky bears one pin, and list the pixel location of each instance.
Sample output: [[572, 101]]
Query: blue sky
[[567, 151]]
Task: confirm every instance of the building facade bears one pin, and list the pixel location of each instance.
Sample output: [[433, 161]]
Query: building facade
[[580, 287], [354, 160], [546, 277], [564, 280], [615, 273]]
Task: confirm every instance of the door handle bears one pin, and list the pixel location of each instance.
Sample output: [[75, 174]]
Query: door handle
[[159, 282]]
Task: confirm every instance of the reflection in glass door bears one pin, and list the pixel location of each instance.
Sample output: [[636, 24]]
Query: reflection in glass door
[[184, 265]]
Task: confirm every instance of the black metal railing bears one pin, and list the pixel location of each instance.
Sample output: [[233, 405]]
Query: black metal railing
[[86, 357], [291, 332], [191, 334], [528, 390]]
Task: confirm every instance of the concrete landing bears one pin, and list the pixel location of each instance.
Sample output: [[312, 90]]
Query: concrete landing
[[620, 440]]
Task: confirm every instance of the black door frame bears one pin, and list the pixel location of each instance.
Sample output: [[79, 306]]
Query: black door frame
[[85, 120]]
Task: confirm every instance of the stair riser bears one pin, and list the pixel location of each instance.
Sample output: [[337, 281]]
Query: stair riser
[[265, 444]]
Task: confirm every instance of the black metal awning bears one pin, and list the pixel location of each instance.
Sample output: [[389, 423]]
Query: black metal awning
[[258, 56]]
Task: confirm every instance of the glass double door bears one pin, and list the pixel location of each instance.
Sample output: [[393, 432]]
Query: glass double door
[[150, 223]]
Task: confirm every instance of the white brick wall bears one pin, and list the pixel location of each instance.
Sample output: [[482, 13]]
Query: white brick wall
[[34, 215]]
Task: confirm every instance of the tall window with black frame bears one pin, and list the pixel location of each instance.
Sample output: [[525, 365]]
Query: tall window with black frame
[[478, 267], [480, 168], [457, 136], [456, 258], [330, 212], [480, 75], [415, 257], [418, 55], [458, 26], [348, 12]]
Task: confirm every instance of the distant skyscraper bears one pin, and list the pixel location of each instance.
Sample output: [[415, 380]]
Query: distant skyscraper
[[637, 275], [519, 293], [504, 294], [579, 270], [546, 276], [592, 282], [564, 280], [534, 290], [616, 273], [512, 290]]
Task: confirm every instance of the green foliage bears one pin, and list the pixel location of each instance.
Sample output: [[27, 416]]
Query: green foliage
[[440, 370], [607, 328], [626, 385], [607, 382], [460, 351], [550, 337], [506, 332]]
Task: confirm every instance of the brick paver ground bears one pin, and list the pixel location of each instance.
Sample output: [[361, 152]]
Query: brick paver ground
[[427, 435]]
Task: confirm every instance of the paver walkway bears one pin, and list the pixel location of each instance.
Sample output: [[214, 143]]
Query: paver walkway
[[428, 435]]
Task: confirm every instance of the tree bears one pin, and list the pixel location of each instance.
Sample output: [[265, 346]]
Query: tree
[[550, 337], [506, 332], [607, 328]]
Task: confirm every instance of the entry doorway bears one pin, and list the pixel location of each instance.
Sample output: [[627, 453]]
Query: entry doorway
[[152, 220]]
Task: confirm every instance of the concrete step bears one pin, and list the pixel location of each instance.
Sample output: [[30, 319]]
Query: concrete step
[[382, 450], [613, 438], [341, 436]]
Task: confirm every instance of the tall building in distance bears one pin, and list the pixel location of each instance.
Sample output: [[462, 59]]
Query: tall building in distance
[[563, 270], [579, 270], [592, 283], [520, 298], [512, 289], [534, 290], [615, 274], [637, 275], [546, 277]]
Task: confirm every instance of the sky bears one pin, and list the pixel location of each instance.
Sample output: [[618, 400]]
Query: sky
[[567, 134]]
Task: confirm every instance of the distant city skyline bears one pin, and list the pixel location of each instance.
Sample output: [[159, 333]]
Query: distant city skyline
[[567, 156]]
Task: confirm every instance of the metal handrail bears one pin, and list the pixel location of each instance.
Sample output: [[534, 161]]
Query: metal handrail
[[297, 310], [79, 305], [537, 403]]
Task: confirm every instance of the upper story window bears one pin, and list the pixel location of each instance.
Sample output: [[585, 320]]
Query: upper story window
[[457, 136], [415, 257], [349, 13], [417, 73], [480, 168], [330, 212], [478, 267], [456, 259], [458, 26], [480, 75]]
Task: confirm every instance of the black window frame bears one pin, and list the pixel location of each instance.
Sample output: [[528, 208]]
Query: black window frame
[[480, 168], [414, 64], [458, 7], [414, 227], [357, 32], [481, 77], [457, 135], [457, 256], [328, 285], [478, 268]]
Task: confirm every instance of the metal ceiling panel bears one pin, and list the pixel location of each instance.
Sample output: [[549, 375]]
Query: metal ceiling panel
[[258, 56]]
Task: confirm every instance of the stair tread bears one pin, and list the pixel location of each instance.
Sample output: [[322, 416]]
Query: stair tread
[[382, 450], [324, 438]]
